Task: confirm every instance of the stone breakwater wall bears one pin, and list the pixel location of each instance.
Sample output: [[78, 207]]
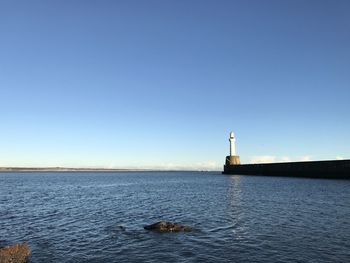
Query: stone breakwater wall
[[337, 169]]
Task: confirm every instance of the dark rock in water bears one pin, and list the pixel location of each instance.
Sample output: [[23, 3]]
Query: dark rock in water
[[17, 253], [165, 226], [121, 228]]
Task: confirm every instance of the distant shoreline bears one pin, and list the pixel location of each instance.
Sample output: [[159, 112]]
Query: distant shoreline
[[65, 169]]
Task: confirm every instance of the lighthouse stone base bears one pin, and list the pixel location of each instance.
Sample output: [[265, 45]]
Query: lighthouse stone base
[[232, 160]]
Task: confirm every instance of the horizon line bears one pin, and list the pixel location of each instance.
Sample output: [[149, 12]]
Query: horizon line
[[87, 169]]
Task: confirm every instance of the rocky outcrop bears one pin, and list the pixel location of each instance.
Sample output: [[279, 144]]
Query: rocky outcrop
[[15, 254], [165, 226]]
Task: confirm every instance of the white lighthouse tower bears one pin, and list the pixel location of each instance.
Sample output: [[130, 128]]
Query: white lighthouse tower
[[232, 159], [232, 144]]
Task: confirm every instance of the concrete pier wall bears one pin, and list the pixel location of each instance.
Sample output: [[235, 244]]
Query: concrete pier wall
[[337, 169]]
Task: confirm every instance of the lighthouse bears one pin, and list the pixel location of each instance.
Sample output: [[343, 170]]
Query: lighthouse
[[232, 140], [232, 159]]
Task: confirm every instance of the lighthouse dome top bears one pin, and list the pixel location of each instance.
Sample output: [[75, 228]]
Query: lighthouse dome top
[[232, 135]]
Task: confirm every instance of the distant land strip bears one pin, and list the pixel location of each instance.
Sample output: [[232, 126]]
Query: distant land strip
[[67, 169], [62, 169]]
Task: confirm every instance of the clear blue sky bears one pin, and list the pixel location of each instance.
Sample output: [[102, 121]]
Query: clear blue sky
[[162, 83]]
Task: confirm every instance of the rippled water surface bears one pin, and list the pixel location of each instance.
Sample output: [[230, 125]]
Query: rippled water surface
[[99, 217]]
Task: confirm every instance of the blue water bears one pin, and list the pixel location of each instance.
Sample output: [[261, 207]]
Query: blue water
[[99, 217]]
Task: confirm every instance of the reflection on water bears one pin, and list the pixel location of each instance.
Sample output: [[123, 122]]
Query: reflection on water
[[77, 217], [235, 210]]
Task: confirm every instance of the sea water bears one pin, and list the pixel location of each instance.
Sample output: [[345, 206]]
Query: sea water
[[99, 217]]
